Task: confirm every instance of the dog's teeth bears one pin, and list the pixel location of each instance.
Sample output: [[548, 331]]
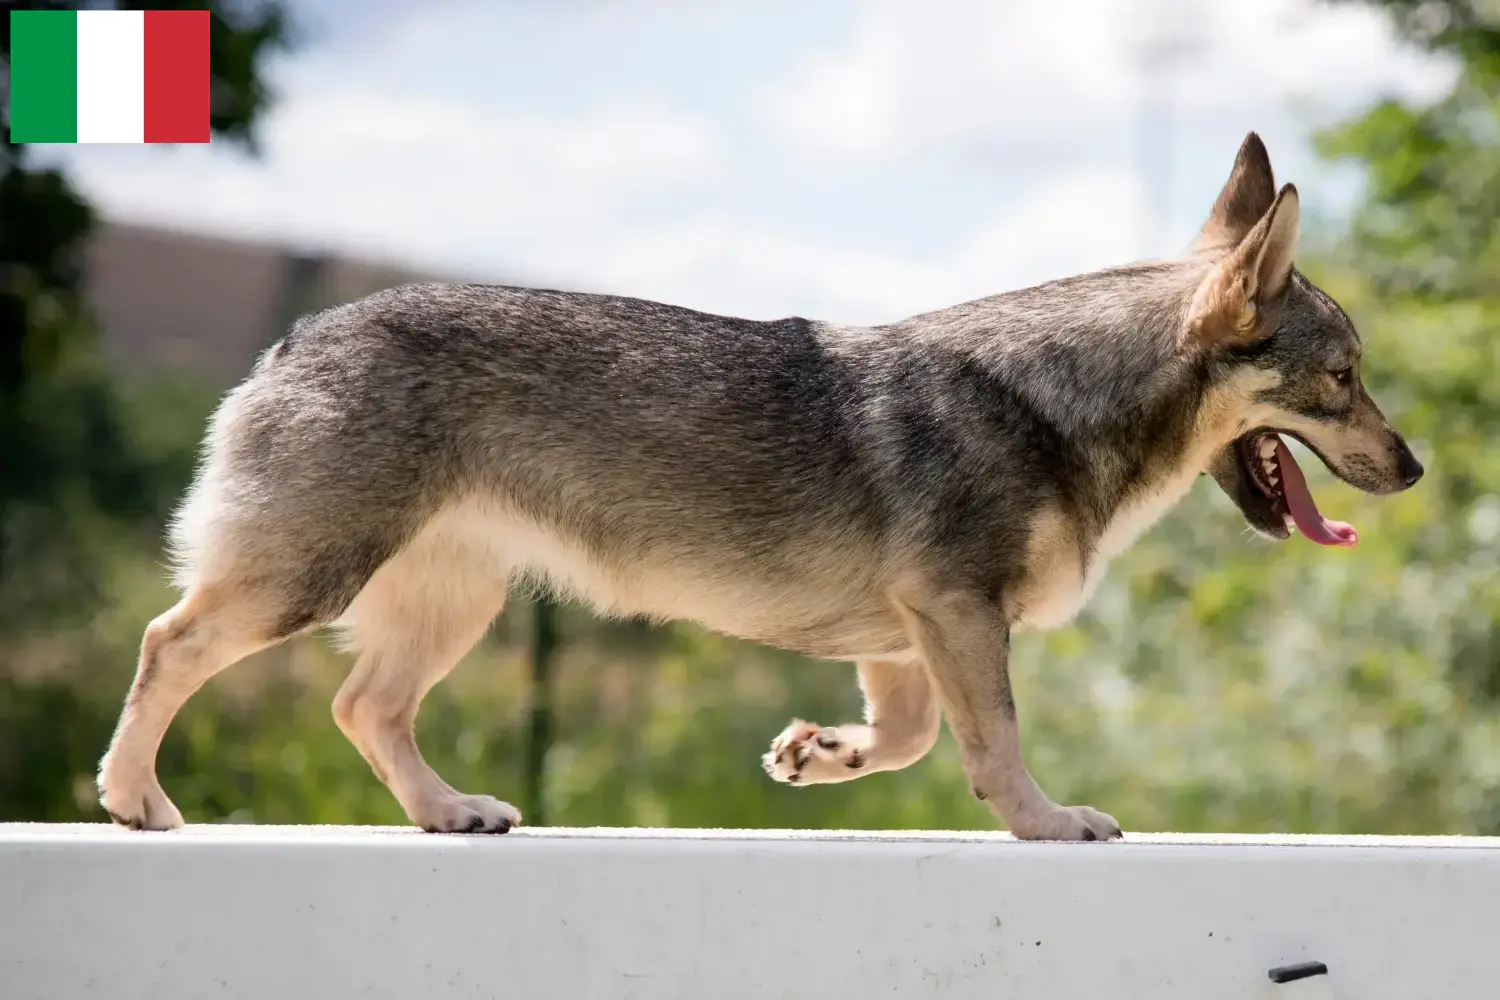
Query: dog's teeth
[[1275, 479], [1268, 447]]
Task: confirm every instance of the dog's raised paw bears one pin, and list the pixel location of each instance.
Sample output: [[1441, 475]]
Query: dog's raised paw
[[808, 754], [469, 814]]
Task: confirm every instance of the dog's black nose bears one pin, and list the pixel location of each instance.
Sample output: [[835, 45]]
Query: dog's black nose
[[1410, 469]]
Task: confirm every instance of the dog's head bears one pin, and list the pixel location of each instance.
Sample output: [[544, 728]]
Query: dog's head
[[1265, 327]]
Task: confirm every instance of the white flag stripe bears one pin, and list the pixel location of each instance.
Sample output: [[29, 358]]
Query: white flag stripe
[[111, 76]]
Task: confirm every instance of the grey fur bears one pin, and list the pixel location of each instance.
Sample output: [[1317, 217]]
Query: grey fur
[[900, 496]]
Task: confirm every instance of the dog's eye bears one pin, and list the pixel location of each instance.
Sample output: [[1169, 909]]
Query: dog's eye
[[1342, 375]]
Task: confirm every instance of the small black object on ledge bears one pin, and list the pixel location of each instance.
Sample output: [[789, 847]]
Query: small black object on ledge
[[1302, 970]]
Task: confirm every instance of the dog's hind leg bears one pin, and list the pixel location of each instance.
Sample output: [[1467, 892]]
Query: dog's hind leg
[[902, 720], [254, 572], [411, 625], [212, 627]]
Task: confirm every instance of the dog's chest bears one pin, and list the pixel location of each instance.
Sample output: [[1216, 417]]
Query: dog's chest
[[1139, 513], [1064, 567], [1063, 571]]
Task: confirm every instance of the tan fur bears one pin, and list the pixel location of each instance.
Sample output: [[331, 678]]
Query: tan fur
[[1055, 585], [498, 543], [411, 625], [1221, 312]]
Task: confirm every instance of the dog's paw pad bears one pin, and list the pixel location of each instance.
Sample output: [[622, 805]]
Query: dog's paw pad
[[808, 754]]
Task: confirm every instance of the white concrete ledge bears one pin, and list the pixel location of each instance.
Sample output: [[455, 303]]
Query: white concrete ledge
[[327, 912]]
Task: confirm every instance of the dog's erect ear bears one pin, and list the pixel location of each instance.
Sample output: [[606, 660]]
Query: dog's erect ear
[[1227, 307], [1272, 249], [1246, 198]]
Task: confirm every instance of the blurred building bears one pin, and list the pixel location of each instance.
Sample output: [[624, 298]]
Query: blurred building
[[167, 300]]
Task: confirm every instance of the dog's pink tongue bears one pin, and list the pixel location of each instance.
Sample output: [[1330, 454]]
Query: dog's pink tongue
[[1299, 498]]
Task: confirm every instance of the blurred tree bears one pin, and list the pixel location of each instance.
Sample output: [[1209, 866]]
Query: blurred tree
[[1429, 225], [1427, 238]]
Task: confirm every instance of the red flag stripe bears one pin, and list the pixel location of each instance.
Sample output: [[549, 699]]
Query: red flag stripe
[[177, 75]]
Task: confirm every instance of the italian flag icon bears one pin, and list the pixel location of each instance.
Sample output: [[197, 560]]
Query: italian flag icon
[[109, 76]]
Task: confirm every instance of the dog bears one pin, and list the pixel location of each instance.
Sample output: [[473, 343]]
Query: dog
[[902, 497]]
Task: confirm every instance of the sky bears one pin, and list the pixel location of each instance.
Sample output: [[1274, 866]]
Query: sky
[[849, 160]]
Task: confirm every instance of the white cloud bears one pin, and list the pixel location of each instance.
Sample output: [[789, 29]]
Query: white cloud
[[913, 77], [408, 176], [1063, 226]]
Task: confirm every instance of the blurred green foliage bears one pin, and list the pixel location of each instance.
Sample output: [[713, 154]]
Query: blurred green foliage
[[1216, 683]]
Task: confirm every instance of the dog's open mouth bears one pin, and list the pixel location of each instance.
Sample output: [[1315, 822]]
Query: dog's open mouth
[[1270, 466]]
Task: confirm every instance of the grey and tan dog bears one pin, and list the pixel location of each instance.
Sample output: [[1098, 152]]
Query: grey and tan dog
[[902, 497]]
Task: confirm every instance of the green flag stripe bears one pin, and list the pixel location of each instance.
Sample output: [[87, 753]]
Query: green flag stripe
[[43, 76]]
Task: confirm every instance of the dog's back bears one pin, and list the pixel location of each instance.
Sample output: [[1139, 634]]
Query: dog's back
[[639, 434]]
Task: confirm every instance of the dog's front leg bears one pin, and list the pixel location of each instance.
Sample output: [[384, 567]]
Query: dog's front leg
[[966, 645], [902, 722]]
